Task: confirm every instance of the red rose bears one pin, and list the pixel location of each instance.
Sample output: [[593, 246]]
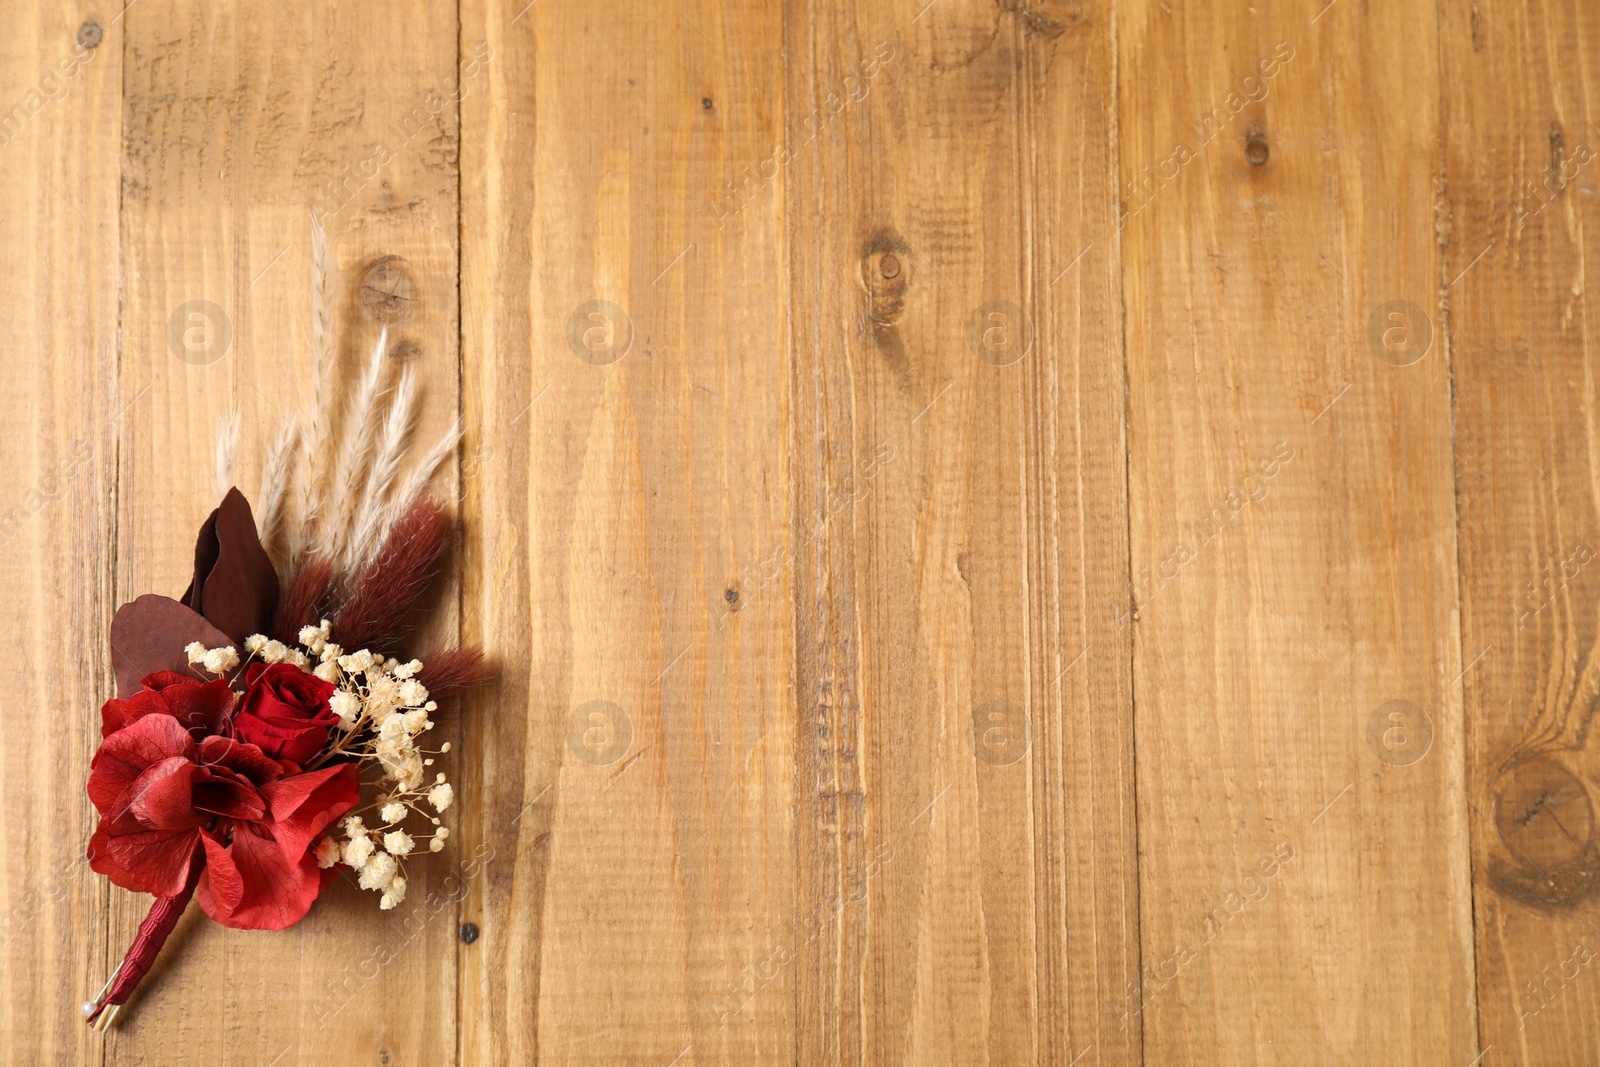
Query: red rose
[[168, 803], [285, 712]]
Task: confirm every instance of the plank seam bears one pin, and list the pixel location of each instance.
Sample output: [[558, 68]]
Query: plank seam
[[1136, 911]]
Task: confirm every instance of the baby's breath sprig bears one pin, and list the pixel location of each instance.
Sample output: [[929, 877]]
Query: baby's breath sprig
[[212, 660], [383, 712]]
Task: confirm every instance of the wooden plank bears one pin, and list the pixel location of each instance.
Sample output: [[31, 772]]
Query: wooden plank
[[238, 120], [1519, 132], [965, 777], [626, 516], [853, 585], [59, 122], [1304, 877]]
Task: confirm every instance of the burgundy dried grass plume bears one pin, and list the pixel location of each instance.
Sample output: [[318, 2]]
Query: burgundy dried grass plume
[[306, 602], [392, 581], [448, 674]]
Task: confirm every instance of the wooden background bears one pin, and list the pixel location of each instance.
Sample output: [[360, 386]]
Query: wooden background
[[1011, 531]]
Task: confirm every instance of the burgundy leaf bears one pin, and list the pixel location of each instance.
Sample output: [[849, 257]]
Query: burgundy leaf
[[148, 636], [206, 550], [235, 585]]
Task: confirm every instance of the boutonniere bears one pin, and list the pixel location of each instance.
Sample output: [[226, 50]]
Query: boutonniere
[[271, 731]]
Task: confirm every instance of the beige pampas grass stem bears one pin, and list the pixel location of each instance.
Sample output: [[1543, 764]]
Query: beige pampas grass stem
[[355, 453], [420, 476], [316, 441], [227, 451], [391, 449], [275, 477]]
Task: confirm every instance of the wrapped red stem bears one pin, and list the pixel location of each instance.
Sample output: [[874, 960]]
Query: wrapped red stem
[[153, 933]]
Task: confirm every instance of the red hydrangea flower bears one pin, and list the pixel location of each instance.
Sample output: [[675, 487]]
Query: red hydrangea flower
[[285, 712], [201, 708], [171, 797]]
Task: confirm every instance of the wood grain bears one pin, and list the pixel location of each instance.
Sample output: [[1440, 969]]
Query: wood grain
[[627, 520], [1519, 162], [60, 112], [238, 123], [1009, 531], [964, 787], [1303, 860]]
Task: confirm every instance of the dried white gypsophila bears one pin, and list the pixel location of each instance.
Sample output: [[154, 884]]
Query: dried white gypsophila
[[212, 660], [383, 713]]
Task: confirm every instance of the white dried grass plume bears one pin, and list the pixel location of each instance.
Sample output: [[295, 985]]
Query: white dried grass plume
[[356, 444], [227, 451], [420, 476], [318, 436], [275, 478], [372, 509], [344, 475]]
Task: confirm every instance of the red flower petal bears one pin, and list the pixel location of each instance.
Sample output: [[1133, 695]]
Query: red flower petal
[[115, 714], [159, 859], [253, 885], [295, 744], [101, 862], [219, 791], [125, 754], [220, 881], [204, 709], [285, 711], [306, 804], [242, 758], [162, 798]]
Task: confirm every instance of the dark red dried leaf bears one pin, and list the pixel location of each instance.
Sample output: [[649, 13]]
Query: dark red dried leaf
[[206, 550], [235, 585], [148, 636]]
